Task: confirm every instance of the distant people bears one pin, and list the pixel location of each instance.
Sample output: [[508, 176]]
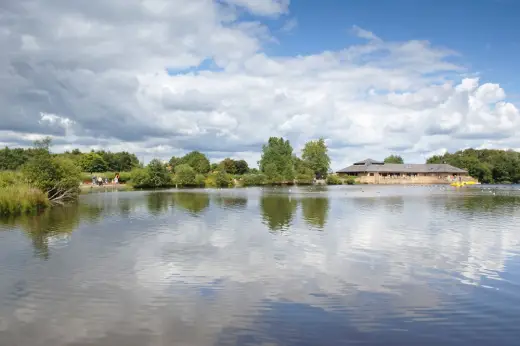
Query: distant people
[[100, 181], [116, 179], [94, 180]]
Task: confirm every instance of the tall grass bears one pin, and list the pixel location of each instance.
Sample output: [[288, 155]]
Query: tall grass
[[21, 199]]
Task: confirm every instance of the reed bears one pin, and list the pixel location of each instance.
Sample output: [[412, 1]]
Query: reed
[[22, 199]]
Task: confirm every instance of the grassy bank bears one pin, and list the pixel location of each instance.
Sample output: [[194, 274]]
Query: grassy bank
[[21, 199]]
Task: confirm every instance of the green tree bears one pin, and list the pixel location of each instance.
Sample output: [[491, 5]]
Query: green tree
[[394, 159], [241, 167], [185, 175], [228, 165], [198, 161], [277, 160], [315, 155], [158, 174], [56, 176], [92, 162], [174, 162]]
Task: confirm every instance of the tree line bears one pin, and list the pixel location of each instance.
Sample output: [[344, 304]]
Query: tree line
[[489, 166], [93, 161]]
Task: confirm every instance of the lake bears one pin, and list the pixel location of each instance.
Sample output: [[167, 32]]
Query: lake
[[369, 265]]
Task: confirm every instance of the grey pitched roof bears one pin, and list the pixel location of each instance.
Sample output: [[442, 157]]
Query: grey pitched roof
[[403, 168], [368, 162]]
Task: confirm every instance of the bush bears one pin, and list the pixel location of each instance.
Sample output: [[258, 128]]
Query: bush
[[139, 177], [59, 177], [10, 178], [199, 180], [334, 180], [350, 180], [184, 175], [21, 199], [254, 179], [305, 177], [154, 175], [219, 179]]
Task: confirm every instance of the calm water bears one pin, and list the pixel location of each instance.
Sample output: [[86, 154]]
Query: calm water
[[336, 266]]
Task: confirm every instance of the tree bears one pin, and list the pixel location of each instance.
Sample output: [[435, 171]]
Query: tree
[[58, 177], [198, 161], [315, 155], [185, 175], [277, 160], [241, 167], [92, 162], [158, 175], [174, 162], [228, 165], [394, 159]]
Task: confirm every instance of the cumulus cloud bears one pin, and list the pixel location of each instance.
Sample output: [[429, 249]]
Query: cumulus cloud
[[165, 77]]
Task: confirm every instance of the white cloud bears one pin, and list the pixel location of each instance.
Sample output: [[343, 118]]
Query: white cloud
[[102, 67]]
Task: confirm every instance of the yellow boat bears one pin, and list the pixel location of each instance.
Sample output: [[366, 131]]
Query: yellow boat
[[464, 183]]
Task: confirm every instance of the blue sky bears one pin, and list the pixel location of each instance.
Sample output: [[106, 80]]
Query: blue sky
[[485, 32]]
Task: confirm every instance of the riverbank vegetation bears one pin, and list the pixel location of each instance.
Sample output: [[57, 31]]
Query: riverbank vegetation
[[489, 166], [42, 180]]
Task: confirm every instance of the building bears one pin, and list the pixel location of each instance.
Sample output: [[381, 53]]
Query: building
[[376, 172]]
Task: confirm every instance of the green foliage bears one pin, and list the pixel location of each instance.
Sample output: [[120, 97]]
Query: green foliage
[[21, 199], [185, 175], [333, 179], [199, 180], [394, 159], [349, 180], [57, 176], [92, 162], [158, 175], [219, 179], [174, 162], [253, 179], [213, 167], [271, 174], [196, 160], [277, 161], [228, 165], [10, 178], [487, 165], [315, 155], [241, 167], [139, 178], [305, 177]]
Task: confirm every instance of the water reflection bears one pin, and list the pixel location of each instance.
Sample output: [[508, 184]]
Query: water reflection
[[51, 226], [159, 202], [315, 211], [278, 210], [389, 269], [231, 201], [194, 202]]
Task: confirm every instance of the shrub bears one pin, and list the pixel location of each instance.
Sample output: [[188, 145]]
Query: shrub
[[21, 199], [139, 177], [305, 177], [184, 175], [253, 179], [199, 180], [334, 180], [219, 179], [10, 178], [154, 175], [350, 180], [59, 177]]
